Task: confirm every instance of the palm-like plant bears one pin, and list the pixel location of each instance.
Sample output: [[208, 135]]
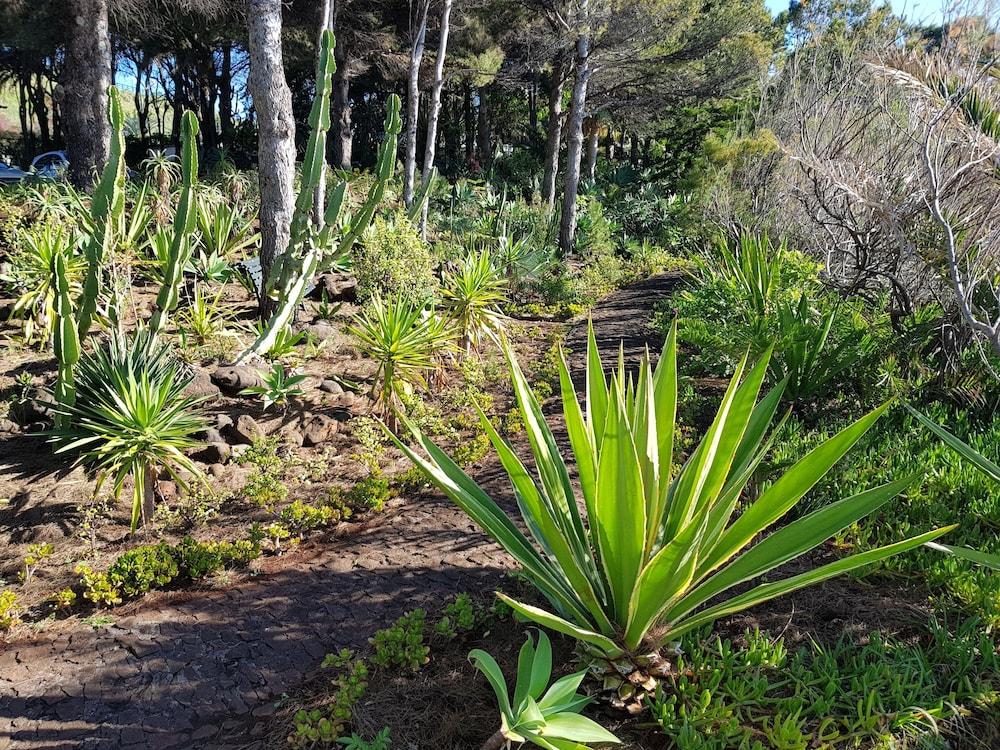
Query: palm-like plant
[[31, 273], [404, 340], [204, 317], [551, 720], [277, 386], [658, 542], [165, 169], [131, 418], [472, 297]]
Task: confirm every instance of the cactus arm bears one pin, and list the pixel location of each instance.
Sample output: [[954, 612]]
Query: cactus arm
[[422, 195], [106, 208], [65, 338], [384, 169], [184, 224]]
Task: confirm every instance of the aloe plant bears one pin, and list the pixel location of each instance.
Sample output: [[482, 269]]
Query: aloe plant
[[312, 244], [656, 543], [547, 718]]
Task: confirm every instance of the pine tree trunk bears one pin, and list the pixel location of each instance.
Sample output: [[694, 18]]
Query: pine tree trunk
[[226, 95], [434, 111], [553, 134], [413, 102], [88, 75], [484, 138], [592, 131], [272, 101], [340, 104], [470, 124], [574, 149]]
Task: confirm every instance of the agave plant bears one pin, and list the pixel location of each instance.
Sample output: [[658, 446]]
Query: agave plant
[[224, 232], [131, 418], [404, 340], [551, 720], [472, 297], [204, 317], [656, 543], [31, 273]]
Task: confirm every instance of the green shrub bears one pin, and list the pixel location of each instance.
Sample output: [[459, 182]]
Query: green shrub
[[300, 516], [147, 567], [326, 725], [392, 261], [97, 587], [370, 493], [459, 617], [878, 692], [10, 610], [402, 645]]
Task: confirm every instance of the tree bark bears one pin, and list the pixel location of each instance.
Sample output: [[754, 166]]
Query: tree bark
[[434, 111], [413, 102], [484, 137], [341, 104], [553, 134], [88, 75], [470, 123], [226, 95], [592, 131], [574, 149], [272, 101]]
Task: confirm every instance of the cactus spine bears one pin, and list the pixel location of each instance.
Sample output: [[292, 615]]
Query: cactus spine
[[184, 225], [308, 243]]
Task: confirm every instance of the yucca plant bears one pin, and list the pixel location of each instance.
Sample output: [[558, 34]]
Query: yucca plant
[[472, 296], [404, 340], [131, 418], [31, 274], [656, 542], [551, 720]]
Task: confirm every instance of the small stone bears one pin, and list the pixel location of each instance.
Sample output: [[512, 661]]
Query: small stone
[[222, 421], [214, 452], [321, 331], [217, 470], [246, 431], [239, 450], [201, 386], [6, 425], [167, 490], [331, 386], [291, 434], [338, 287], [236, 378], [318, 429]]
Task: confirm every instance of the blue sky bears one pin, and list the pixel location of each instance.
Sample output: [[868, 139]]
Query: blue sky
[[928, 11]]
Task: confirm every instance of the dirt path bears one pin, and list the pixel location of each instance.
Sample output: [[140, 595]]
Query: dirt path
[[195, 669]]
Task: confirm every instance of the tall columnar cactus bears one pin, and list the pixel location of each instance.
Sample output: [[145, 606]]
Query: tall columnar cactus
[[185, 220], [309, 242], [65, 339], [106, 209]]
